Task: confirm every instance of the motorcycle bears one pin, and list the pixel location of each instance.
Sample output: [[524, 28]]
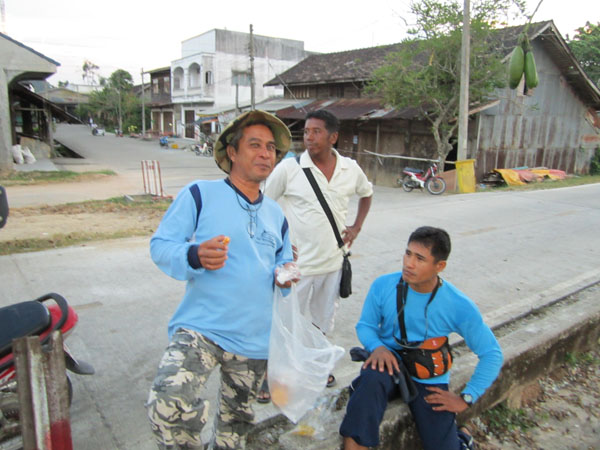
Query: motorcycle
[[419, 179], [203, 150], [97, 131], [39, 317]]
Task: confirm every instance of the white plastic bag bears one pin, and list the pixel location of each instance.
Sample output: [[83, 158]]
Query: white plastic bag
[[300, 358], [17, 154], [27, 155]]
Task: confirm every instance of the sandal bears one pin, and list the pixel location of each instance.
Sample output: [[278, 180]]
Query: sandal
[[264, 396], [466, 438], [331, 382]]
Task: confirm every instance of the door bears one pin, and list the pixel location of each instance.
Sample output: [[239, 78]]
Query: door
[[190, 116]]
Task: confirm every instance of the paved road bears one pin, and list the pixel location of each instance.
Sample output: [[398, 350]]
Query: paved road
[[511, 253]]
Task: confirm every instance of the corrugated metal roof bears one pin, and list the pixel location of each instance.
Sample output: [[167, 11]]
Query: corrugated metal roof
[[349, 109]]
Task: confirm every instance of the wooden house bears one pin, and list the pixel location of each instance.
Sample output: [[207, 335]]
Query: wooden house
[[554, 125]]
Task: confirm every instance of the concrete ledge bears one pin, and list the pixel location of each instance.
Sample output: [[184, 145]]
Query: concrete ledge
[[532, 347]]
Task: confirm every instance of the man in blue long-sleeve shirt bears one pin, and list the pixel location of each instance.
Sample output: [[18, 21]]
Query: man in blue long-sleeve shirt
[[225, 239], [432, 308]]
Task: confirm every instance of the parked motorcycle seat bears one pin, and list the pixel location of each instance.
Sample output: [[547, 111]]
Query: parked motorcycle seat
[[19, 320], [410, 169]]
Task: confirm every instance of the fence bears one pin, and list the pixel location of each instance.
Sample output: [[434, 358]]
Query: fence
[[152, 178]]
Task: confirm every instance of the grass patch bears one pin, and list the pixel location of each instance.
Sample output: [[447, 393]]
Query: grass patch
[[43, 177], [552, 184], [63, 240], [115, 204], [576, 359], [501, 419]]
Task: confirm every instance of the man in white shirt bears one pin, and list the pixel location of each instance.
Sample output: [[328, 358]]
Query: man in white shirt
[[339, 178]]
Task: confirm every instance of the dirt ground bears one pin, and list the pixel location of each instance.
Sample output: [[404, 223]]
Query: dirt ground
[[562, 412], [45, 222]]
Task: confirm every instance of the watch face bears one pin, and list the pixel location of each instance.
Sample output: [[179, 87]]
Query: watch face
[[468, 398]]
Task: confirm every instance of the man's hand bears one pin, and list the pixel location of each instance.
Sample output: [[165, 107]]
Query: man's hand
[[213, 253], [382, 359], [292, 267], [349, 234], [445, 400]]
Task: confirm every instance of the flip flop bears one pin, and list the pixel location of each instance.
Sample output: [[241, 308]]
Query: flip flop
[[331, 382], [466, 437], [264, 396]]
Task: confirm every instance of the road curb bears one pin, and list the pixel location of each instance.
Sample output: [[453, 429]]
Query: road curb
[[533, 346]]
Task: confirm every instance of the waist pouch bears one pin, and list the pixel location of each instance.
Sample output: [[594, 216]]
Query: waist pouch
[[430, 359]]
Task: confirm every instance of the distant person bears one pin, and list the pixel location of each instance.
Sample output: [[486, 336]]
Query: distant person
[[428, 308], [319, 257], [225, 239]]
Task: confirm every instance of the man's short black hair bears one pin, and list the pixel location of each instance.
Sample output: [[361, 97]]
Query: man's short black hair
[[435, 239], [236, 136], [332, 124]]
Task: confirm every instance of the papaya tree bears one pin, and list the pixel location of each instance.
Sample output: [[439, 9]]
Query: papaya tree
[[425, 71]]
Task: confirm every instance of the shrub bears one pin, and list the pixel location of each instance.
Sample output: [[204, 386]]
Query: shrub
[[595, 163]]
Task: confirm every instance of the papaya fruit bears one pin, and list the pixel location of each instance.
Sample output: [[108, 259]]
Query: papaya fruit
[[516, 66], [531, 75]]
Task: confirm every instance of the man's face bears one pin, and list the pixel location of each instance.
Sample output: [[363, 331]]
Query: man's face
[[317, 139], [255, 158], [419, 267]]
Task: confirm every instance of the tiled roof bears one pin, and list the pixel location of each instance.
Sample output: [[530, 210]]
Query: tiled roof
[[352, 65], [358, 65]]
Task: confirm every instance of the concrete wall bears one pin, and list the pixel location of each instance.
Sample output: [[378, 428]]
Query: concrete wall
[[17, 62]]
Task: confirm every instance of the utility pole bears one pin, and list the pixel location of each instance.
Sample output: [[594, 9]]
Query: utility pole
[[143, 107], [463, 108], [251, 69]]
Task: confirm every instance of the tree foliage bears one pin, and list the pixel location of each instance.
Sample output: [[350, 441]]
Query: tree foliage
[[425, 72], [585, 45], [115, 105], [90, 72]]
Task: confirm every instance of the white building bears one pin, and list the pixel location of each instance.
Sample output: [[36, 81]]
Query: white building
[[214, 71]]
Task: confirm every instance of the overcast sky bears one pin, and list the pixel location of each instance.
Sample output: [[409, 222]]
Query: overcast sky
[[132, 35]]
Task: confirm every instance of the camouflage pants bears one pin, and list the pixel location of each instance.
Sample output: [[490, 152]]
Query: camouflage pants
[[177, 413]]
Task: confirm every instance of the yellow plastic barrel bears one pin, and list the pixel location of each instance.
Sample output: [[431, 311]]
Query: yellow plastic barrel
[[465, 176]]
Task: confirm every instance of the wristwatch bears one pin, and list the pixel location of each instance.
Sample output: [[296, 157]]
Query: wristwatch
[[467, 398]]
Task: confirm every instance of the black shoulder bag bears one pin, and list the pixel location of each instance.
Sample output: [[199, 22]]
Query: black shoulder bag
[[431, 357], [346, 281]]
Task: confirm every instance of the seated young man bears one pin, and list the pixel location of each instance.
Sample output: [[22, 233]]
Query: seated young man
[[429, 307]]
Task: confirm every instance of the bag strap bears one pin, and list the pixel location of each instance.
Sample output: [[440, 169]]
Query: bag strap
[[401, 295], [323, 202]]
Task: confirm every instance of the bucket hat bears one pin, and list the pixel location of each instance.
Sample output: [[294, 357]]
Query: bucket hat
[[281, 133]]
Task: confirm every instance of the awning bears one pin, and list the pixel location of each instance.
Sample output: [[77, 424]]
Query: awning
[[205, 119]]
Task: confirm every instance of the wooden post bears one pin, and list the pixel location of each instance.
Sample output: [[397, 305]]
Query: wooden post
[[43, 394]]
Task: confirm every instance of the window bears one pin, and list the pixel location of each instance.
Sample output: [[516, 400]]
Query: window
[[208, 77], [194, 77], [177, 79], [167, 85], [240, 78], [155, 85]]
